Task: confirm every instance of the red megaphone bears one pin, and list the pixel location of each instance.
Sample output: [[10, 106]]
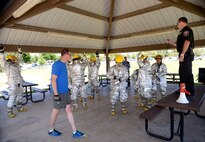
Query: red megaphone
[[182, 89]]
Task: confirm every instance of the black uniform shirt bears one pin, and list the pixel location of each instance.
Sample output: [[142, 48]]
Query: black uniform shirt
[[185, 34]]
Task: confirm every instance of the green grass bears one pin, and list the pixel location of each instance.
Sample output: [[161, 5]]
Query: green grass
[[172, 66]]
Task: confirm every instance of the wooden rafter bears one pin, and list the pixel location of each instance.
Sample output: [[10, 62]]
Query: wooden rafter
[[184, 5], [109, 34], [83, 12], [164, 46], [46, 49], [36, 10], [9, 9], [155, 31], [49, 4], [110, 26], [45, 30], [141, 11]]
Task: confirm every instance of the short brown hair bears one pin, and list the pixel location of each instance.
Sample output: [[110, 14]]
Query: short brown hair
[[65, 51], [183, 19]]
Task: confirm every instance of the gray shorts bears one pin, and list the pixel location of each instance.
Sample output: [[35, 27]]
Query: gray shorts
[[65, 100]]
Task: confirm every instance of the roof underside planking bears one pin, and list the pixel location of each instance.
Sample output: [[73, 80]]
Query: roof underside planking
[[110, 26]]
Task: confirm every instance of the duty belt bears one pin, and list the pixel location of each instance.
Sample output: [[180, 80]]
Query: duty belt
[[191, 51]]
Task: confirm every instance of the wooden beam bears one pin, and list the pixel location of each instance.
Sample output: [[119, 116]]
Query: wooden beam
[[83, 12], [140, 48], [109, 34], [46, 49], [164, 46], [6, 13], [140, 11], [45, 30], [199, 42], [184, 5], [158, 30], [49, 4], [110, 26]]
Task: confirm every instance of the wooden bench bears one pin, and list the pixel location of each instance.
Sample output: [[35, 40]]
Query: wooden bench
[[4, 94], [104, 81], [149, 115], [172, 78], [43, 91], [34, 89], [49, 87]]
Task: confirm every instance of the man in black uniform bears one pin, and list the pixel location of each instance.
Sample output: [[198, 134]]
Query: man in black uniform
[[185, 45], [127, 64]]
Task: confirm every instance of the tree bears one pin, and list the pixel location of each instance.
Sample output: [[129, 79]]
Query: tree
[[26, 57], [34, 59], [133, 56], [112, 56], [199, 51], [41, 60], [127, 55], [48, 56]]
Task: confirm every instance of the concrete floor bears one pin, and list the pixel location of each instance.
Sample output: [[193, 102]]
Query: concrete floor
[[32, 126]]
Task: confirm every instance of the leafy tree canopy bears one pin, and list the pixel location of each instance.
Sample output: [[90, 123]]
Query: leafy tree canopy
[[26, 57]]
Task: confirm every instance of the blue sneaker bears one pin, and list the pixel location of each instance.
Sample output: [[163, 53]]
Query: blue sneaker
[[54, 133], [78, 134]]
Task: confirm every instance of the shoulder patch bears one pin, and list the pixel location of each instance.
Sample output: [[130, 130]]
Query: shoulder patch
[[186, 33]]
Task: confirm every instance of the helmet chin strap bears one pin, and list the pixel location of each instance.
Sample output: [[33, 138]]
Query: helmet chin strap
[[118, 63], [11, 62]]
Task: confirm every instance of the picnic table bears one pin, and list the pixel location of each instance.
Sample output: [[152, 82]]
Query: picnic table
[[169, 101], [104, 81], [172, 77], [29, 88]]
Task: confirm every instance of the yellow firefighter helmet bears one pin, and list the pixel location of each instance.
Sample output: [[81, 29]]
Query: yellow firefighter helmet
[[158, 56], [92, 58], [119, 58], [76, 56], [143, 57], [11, 57]]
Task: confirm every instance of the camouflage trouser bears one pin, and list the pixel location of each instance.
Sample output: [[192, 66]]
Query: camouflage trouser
[[78, 89], [160, 87], [94, 87], [146, 102], [15, 96], [120, 92]]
